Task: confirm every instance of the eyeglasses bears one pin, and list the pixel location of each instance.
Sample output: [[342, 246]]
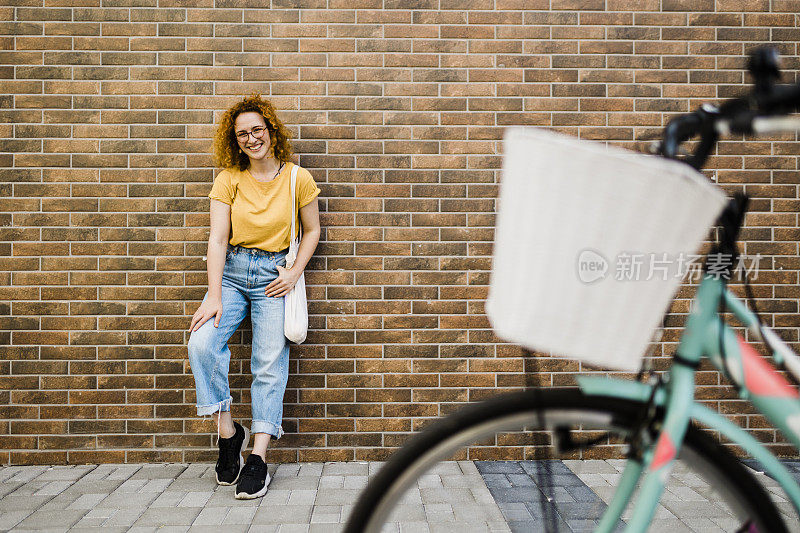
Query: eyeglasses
[[257, 132]]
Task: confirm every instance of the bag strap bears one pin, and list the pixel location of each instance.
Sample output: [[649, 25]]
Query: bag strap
[[294, 215]]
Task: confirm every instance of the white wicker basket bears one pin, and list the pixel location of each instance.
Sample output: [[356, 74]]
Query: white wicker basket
[[570, 208]]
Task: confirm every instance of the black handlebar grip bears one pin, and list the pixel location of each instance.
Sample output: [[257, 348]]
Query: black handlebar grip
[[684, 127], [764, 66]]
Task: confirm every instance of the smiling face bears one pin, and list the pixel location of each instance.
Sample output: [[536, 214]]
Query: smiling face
[[253, 146]]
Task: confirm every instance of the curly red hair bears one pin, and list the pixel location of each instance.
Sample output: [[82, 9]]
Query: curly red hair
[[226, 148]]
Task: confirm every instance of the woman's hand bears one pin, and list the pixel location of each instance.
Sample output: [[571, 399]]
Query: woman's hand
[[281, 285], [211, 307]]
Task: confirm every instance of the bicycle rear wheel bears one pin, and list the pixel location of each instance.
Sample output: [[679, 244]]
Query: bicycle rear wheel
[[534, 417]]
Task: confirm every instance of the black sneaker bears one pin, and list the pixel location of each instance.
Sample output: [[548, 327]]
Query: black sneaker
[[254, 480], [231, 461]]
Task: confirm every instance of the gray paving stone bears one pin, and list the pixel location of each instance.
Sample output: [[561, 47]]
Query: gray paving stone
[[9, 519], [290, 528], [476, 513], [468, 468], [582, 494], [104, 486], [195, 499], [94, 529], [446, 495], [445, 468], [553, 467], [497, 480], [124, 517], [582, 525], [705, 509], [7, 487], [457, 527], [521, 480], [287, 514], [65, 473], [438, 512], [414, 527], [499, 467], [345, 469], [515, 511], [100, 513], [156, 485], [337, 496], [24, 474], [702, 524], [326, 514], [132, 485], [124, 472], [229, 528], [355, 482], [59, 502], [7, 472], [22, 502], [463, 481], [101, 472], [86, 501], [296, 482], [224, 497], [286, 470], [516, 494], [331, 482], [302, 497], [275, 497], [194, 484], [126, 500], [211, 516], [240, 515], [325, 528], [29, 489], [482, 495], [175, 516], [427, 481], [591, 466], [160, 529], [168, 499], [310, 469], [159, 471], [404, 513], [194, 471], [51, 519]]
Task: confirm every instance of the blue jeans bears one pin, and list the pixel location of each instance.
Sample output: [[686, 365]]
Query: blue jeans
[[247, 273]]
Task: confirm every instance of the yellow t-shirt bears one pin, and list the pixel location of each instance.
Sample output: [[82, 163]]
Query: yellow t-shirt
[[260, 211]]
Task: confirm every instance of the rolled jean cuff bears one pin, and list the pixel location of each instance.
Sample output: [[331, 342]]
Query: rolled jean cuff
[[262, 426], [205, 410]]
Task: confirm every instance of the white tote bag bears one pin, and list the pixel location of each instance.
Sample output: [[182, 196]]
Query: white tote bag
[[295, 322]]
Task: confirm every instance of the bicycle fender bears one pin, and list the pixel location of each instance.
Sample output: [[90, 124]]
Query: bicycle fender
[[619, 388]]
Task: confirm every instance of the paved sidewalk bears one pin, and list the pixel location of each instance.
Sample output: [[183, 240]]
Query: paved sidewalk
[[460, 497]]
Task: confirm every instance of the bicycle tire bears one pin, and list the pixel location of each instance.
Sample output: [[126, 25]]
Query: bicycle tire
[[535, 408]]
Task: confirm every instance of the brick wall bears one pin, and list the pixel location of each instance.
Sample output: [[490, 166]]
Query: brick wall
[[397, 109]]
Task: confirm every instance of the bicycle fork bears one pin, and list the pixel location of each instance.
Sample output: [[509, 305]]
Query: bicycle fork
[[653, 462]]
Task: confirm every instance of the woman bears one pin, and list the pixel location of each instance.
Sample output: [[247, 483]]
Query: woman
[[250, 233]]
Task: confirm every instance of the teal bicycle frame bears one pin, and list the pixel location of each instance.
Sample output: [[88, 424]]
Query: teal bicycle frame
[[706, 334]]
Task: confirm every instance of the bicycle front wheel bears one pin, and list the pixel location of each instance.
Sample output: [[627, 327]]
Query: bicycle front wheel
[[707, 476]]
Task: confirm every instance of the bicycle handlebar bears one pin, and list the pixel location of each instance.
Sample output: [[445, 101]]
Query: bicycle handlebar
[[753, 113]]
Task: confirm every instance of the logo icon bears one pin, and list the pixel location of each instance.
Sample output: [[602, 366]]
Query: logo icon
[[592, 266]]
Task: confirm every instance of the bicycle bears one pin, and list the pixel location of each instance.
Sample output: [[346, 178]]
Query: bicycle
[[655, 423]]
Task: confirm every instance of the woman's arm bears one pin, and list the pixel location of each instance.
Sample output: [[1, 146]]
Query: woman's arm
[[215, 263], [309, 216]]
